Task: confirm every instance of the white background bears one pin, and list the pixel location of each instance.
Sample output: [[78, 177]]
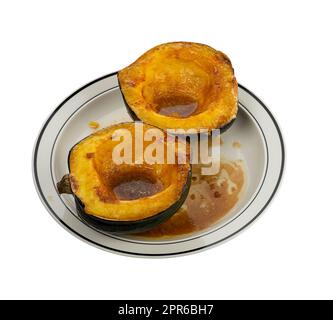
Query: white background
[[281, 50]]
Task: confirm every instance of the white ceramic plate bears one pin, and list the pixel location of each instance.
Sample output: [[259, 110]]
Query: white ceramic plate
[[255, 129]]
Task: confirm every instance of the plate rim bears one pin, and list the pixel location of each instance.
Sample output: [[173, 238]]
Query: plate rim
[[137, 254]]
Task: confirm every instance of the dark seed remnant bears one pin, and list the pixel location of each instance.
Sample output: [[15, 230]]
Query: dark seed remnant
[[217, 194]]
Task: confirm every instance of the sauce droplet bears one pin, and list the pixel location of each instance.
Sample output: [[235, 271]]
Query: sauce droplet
[[236, 145]]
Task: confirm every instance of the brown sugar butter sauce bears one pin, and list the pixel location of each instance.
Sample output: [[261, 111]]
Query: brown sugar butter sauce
[[210, 198]]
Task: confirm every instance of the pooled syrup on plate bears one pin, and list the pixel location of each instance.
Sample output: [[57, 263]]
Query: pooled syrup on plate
[[210, 199], [136, 188]]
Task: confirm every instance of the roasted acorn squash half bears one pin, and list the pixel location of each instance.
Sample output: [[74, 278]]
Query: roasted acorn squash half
[[181, 85], [125, 197]]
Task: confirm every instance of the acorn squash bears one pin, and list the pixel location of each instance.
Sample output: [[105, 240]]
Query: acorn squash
[[125, 197], [181, 85]]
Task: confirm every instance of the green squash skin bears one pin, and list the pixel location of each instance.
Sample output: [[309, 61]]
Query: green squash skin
[[128, 108], [125, 227], [134, 117], [227, 126]]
